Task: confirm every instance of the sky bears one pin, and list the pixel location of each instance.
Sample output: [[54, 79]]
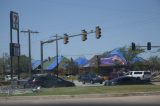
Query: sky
[[122, 22]]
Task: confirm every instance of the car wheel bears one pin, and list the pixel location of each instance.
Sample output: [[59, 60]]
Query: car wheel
[[24, 86], [83, 82], [101, 82], [92, 82]]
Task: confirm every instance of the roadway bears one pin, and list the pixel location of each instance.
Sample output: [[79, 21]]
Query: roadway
[[153, 100], [77, 83]]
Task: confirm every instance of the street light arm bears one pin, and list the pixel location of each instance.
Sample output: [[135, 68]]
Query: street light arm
[[24, 31], [29, 31], [48, 41], [34, 31]]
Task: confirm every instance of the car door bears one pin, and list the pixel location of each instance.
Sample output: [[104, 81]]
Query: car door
[[125, 81]]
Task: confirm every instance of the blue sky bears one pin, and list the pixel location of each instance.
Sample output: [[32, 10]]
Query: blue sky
[[122, 22]]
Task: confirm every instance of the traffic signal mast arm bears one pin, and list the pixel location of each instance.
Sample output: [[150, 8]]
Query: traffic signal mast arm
[[66, 38], [149, 46], [52, 40]]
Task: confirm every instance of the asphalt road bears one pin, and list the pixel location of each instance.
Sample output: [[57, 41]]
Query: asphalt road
[[106, 101], [77, 83]]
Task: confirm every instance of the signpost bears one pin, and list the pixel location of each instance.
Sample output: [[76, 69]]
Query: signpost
[[14, 47]]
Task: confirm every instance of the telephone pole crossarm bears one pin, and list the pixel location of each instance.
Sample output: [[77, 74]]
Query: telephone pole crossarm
[[29, 46]]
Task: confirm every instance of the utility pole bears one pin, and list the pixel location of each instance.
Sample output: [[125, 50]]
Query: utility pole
[[56, 36], [29, 45], [4, 66], [41, 56], [98, 63], [57, 54]]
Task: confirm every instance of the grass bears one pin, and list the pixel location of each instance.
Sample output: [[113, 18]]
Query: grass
[[96, 90]]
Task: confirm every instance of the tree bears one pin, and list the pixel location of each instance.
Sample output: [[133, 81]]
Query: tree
[[129, 54], [5, 64], [72, 67], [154, 63]]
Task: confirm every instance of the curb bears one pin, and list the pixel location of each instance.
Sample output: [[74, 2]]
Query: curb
[[50, 97]]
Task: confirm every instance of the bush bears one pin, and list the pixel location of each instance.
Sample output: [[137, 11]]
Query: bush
[[1, 78], [2, 83], [23, 75]]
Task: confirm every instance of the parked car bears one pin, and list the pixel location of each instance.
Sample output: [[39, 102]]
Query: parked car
[[90, 78], [143, 75], [48, 81], [125, 80], [8, 77]]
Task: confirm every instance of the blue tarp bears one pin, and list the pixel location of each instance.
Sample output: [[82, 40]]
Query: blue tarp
[[54, 63], [119, 53], [137, 59], [81, 61], [115, 56], [114, 59], [35, 64]]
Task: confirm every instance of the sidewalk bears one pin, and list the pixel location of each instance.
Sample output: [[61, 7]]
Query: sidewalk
[[49, 97]]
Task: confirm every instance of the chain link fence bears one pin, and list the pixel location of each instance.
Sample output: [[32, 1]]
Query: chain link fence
[[8, 89]]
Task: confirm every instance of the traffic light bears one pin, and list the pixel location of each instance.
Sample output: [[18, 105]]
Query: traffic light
[[65, 38], [84, 35], [98, 32], [148, 45], [133, 46]]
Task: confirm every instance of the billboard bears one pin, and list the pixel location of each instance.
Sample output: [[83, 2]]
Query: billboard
[[14, 19]]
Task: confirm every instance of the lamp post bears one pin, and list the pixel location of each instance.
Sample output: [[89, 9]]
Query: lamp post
[[29, 45], [50, 41]]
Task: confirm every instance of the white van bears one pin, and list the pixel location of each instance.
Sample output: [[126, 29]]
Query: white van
[[143, 75]]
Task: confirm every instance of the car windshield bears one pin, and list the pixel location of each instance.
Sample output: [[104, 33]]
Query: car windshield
[[147, 73], [116, 79], [93, 75]]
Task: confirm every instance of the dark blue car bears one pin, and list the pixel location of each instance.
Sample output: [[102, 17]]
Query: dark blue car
[[47, 81], [90, 78], [125, 80]]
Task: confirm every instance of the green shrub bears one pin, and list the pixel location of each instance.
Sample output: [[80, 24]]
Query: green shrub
[[2, 83]]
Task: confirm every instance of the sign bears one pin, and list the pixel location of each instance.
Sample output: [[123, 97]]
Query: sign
[[14, 49], [14, 20]]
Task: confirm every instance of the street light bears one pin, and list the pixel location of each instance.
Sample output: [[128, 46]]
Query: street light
[[42, 43], [29, 44]]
